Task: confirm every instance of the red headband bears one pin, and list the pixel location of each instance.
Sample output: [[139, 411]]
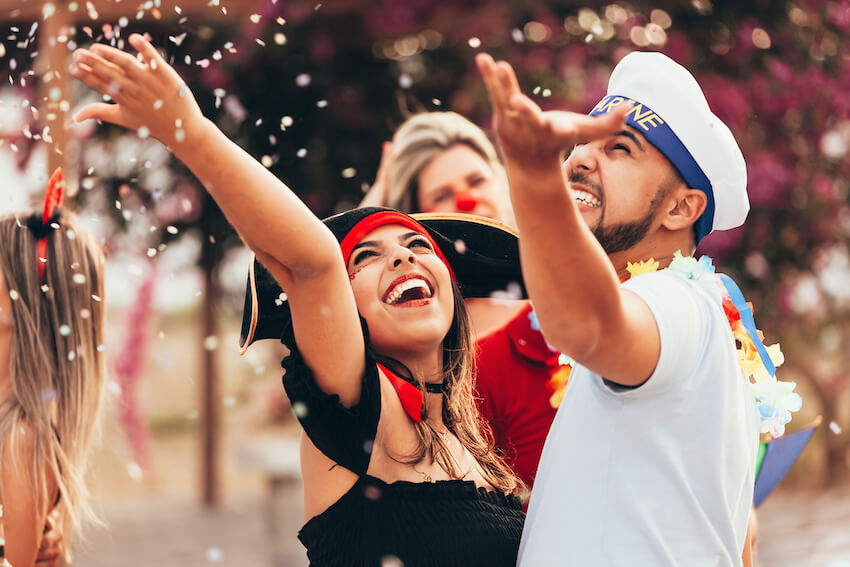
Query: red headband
[[370, 223], [52, 201]]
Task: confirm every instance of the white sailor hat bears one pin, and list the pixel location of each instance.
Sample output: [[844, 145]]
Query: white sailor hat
[[671, 112]]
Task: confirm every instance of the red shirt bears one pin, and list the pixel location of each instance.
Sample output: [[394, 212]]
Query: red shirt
[[514, 363]]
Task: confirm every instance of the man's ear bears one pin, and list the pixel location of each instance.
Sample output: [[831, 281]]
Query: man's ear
[[684, 208]]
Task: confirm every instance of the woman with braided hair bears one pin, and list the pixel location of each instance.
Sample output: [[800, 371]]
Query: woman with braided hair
[[51, 372]]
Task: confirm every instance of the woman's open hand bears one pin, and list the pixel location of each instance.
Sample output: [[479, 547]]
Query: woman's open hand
[[149, 95]]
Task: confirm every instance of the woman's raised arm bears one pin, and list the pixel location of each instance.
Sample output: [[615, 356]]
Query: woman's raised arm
[[287, 237]]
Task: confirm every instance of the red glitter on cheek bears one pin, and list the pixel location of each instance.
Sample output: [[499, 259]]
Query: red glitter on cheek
[[354, 273]]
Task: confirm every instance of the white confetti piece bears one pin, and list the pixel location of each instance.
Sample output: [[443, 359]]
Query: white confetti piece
[[834, 427], [177, 39]]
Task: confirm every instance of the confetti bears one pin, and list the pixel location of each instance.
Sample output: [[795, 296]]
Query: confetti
[[211, 343], [301, 152], [349, 172], [474, 42], [255, 18], [280, 38], [405, 81], [64, 330], [177, 39], [321, 103], [79, 279], [171, 229], [460, 246], [299, 409], [214, 555], [834, 427], [372, 492], [85, 313], [13, 295], [135, 471], [303, 80]]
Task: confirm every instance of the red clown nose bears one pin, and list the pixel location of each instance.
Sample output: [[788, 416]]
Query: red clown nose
[[465, 201]]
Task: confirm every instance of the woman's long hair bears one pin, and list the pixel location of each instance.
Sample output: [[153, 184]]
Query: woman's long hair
[[460, 414], [56, 363]]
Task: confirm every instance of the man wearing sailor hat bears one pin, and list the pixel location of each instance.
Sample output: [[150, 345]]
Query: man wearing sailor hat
[[650, 459]]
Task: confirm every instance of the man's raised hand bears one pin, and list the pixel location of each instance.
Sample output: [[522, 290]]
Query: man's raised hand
[[530, 136]]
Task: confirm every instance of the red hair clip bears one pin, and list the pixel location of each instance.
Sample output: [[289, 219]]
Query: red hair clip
[[52, 202]]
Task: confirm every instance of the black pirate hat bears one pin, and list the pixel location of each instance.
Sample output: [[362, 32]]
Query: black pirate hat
[[482, 254]]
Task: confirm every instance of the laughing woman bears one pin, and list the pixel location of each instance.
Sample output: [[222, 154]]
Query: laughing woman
[[393, 461]]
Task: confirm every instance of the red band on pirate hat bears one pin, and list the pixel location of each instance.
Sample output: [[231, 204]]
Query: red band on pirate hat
[[370, 223]]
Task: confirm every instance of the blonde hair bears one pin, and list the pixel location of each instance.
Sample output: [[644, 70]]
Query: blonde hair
[[56, 364], [420, 139], [460, 415]]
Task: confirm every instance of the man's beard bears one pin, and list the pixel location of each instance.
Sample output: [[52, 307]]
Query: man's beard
[[623, 236]]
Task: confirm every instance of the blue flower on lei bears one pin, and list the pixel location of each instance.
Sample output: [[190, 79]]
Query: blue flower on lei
[[535, 323], [692, 268], [776, 400]]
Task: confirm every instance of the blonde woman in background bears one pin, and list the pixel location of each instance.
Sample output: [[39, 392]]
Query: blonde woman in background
[[51, 376], [442, 162]]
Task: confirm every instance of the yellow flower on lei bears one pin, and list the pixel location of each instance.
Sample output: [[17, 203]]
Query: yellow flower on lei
[[638, 268], [557, 384]]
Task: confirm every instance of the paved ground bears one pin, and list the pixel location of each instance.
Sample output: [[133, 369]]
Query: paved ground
[[805, 530], [797, 530]]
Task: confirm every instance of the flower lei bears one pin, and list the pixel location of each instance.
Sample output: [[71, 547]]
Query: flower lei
[[775, 399]]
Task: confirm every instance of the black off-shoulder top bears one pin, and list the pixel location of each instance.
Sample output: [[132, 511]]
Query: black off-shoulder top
[[429, 524]]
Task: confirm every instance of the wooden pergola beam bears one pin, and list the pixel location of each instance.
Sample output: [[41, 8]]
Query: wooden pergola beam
[[110, 10]]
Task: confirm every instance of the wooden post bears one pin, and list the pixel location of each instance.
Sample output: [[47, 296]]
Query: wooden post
[[210, 402], [54, 100]]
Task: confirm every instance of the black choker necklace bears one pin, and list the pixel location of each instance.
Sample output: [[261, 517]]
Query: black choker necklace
[[435, 388]]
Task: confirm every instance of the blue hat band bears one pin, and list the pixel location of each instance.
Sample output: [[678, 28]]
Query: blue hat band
[[659, 134]]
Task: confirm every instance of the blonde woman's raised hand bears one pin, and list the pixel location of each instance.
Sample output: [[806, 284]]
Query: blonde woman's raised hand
[[377, 194], [149, 96], [528, 135]]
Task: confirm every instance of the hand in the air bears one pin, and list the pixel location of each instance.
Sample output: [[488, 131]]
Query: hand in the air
[[377, 194], [52, 547], [528, 135], [148, 92]]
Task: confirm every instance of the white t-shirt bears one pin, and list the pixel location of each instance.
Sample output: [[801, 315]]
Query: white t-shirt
[[660, 475]]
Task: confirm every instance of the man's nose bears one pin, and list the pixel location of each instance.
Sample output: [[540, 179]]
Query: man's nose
[[583, 158]]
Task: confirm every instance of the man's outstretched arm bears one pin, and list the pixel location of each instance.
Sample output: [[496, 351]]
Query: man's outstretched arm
[[572, 283]]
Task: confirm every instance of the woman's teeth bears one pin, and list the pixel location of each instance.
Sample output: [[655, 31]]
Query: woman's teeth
[[395, 295]]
